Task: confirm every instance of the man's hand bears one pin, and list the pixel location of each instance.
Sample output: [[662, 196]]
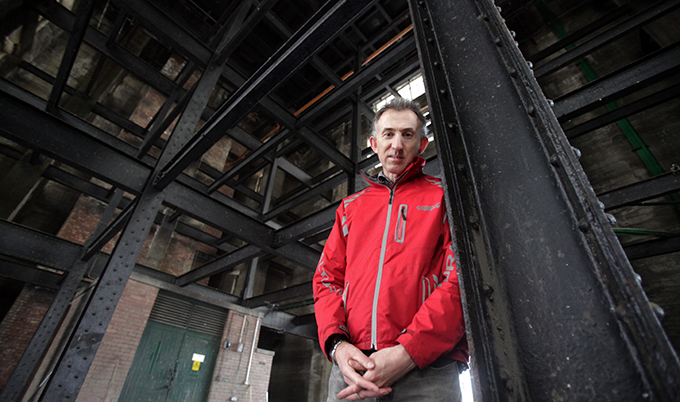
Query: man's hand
[[389, 365], [350, 359]]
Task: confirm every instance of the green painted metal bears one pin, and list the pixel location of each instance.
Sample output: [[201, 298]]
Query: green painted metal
[[636, 142]]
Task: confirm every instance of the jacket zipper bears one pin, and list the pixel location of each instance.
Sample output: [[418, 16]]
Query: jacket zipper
[[400, 231], [374, 316]]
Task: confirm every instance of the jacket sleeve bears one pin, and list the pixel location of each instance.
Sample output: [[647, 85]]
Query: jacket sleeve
[[328, 284], [438, 326]]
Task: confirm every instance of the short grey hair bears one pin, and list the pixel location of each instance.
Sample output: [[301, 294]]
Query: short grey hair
[[400, 104]]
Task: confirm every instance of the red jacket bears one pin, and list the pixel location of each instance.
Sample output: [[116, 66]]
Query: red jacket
[[387, 273]]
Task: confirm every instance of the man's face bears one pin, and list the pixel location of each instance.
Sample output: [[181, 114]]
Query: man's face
[[397, 142]]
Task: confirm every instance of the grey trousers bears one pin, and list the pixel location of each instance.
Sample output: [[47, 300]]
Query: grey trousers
[[431, 384]]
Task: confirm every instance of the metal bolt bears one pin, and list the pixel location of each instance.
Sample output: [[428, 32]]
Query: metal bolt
[[551, 103], [485, 17], [531, 111], [658, 311], [611, 218], [450, 125], [499, 8], [530, 64], [435, 63], [577, 152], [513, 73], [583, 226], [426, 21], [620, 312], [430, 40], [488, 291], [442, 92], [513, 34], [498, 42], [638, 278], [554, 160]]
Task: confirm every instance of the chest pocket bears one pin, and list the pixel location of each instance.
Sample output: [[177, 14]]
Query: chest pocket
[[400, 230]]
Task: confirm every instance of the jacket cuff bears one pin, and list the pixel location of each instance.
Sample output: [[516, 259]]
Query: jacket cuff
[[421, 354]]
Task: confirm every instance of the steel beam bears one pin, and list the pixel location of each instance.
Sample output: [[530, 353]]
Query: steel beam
[[658, 10], [84, 14], [273, 298], [318, 31], [390, 57], [220, 264], [553, 310], [580, 34], [57, 139], [309, 225], [622, 112], [29, 274], [652, 248], [285, 322], [641, 74], [657, 186]]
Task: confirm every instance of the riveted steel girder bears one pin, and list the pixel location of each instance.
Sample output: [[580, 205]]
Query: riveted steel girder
[[553, 310]]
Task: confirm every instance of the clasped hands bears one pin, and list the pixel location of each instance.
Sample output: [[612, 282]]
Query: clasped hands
[[382, 369]]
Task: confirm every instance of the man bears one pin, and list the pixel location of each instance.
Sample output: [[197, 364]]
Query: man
[[386, 290]]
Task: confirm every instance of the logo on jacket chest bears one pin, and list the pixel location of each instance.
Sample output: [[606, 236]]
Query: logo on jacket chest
[[428, 207]]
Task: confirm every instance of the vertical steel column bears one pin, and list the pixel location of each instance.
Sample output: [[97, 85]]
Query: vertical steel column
[[553, 309], [40, 342], [72, 368]]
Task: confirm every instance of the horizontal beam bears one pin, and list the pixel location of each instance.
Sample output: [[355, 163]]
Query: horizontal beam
[[624, 111], [303, 290], [641, 74], [28, 274], [38, 130], [658, 10], [652, 248], [641, 191], [36, 247]]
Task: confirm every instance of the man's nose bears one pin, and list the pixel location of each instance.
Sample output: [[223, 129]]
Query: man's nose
[[398, 142]]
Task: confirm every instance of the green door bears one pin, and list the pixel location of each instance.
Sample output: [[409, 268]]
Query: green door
[[174, 361]]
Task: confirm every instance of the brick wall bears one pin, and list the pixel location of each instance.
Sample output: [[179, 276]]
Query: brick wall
[[231, 367], [19, 325], [110, 367]]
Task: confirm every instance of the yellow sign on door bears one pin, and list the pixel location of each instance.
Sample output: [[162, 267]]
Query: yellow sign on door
[[196, 365]]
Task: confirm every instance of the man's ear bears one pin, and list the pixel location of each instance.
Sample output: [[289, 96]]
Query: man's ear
[[423, 145], [374, 144]]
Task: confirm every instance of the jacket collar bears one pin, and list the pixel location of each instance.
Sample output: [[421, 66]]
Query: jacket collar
[[411, 171]]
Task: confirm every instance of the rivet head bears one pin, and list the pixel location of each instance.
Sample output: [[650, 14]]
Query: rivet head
[[532, 111], [513, 73], [435, 63], [498, 42], [450, 125], [551, 103], [583, 226], [488, 291], [611, 218], [430, 40], [442, 91], [554, 161], [485, 17]]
